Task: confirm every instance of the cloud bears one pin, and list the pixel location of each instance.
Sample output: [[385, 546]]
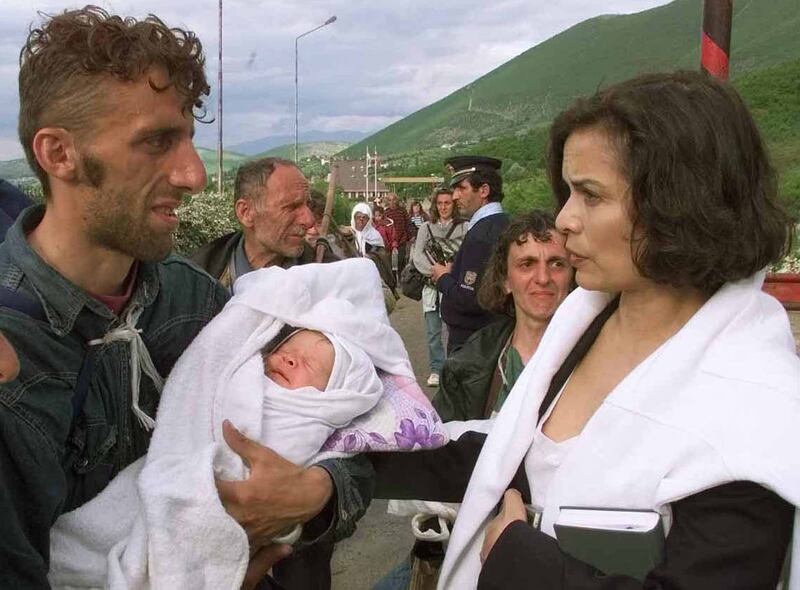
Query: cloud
[[348, 122], [379, 62]]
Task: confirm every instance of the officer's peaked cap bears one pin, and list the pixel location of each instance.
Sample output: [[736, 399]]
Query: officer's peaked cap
[[462, 166]]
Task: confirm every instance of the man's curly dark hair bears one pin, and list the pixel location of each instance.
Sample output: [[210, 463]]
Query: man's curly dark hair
[[63, 62]]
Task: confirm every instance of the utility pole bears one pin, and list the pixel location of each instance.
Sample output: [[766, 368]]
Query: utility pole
[[715, 47], [375, 184], [366, 178]]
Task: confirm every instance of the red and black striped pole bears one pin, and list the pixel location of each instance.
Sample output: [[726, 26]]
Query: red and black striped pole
[[715, 47]]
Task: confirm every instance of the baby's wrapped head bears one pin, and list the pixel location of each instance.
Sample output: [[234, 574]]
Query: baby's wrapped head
[[299, 357], [303, 358]]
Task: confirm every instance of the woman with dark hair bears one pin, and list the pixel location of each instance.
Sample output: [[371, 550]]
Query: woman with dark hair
[[668, 382], [443, 234], [682, 372], [528, 276], [526, 279], [416, 217]]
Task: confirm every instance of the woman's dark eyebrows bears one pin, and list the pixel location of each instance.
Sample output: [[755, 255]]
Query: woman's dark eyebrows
[[584, 183]]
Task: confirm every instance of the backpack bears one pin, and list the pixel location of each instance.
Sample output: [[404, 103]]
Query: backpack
[[381, 260], [412, 281]]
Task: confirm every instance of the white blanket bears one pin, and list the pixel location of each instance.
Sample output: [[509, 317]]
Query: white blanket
[[160, 522], [297, 422], [718, 402]]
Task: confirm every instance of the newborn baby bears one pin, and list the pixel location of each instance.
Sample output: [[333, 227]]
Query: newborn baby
[[312, 384], [304, 358]]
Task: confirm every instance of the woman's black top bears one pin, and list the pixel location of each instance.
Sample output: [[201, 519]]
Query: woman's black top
[[732, 536]]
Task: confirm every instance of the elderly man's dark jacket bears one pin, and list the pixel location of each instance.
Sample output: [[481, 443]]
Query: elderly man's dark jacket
[[215, 256]]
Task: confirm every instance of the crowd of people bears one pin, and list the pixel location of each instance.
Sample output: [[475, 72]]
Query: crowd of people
[[616, 353]]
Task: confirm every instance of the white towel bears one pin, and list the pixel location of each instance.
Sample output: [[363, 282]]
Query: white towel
[[180, 535], [719, 403]]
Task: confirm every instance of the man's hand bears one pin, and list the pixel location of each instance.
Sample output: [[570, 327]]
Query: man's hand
[[9, 362], [261, 562], [513, 509], [278, 494], [437, 270]]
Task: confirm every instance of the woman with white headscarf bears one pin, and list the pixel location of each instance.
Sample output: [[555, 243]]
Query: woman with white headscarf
[[368, 242], [367, 238]]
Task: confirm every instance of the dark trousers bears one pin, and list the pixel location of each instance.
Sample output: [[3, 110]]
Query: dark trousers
[[308, 568], [456, 337], [402, 256]]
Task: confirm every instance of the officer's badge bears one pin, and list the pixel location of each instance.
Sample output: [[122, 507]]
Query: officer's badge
[[470, 277]]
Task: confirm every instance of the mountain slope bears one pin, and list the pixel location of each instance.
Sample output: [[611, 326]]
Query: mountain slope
[[15, 169], [258, 146], [230, 160], [531, 88], [306, 150], [771, 94]]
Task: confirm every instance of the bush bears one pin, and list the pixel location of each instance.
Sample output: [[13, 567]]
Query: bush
[[34, 190], [528, 193], [204, 218], [790, 191]]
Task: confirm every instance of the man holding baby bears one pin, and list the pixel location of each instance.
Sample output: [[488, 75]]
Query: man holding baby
[[107, 114]]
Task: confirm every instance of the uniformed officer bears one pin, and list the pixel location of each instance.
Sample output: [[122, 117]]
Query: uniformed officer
[[478, 189]]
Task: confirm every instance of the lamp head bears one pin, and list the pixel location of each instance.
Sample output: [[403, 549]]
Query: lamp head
[[331, 20]]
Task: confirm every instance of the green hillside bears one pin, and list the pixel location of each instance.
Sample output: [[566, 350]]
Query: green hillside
[[18, 169], [230, 160], [15, 169], [772, 94], [306, 150], [531, 88]]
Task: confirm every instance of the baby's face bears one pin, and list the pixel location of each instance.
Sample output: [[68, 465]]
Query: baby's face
[[304, 360]]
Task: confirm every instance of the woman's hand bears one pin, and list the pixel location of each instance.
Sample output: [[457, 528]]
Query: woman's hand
[[513, 509], [277, 495]]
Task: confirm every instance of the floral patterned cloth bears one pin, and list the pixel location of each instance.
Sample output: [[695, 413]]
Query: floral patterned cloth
[[403, 420]]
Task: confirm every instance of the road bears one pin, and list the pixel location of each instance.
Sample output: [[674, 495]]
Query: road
[[381, 541]]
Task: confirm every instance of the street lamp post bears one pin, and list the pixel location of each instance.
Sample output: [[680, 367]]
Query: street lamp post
[[219, 108], [331, 20]]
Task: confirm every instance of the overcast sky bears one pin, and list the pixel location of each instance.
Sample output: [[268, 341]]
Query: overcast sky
[[380, 61]]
